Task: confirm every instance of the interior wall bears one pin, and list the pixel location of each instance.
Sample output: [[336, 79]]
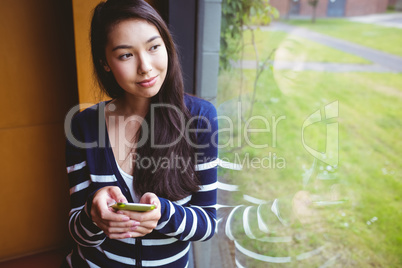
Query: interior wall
[[38, 86], [88, 89], [45, 70]]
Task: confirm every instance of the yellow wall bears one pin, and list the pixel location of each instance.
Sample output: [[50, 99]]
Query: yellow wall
[[38, 86], [42, 72], [87, 86]]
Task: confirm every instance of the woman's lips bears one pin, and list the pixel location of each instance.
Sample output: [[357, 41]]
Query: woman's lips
[[148, 82]]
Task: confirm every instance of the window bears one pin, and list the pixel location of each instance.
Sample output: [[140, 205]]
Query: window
[[309, 163]]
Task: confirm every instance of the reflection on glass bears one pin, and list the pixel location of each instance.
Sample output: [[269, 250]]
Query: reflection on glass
[[310, 172]]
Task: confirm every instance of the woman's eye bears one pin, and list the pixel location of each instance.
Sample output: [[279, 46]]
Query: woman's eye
[[155, 47], [125, 56]]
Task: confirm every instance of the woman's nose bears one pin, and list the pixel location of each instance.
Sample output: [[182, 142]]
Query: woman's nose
[[144, 65]]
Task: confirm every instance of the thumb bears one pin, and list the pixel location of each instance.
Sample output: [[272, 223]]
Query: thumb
[[116, 194], [150, 198]]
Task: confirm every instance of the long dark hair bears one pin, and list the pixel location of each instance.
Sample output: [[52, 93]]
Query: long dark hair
[[170, 182]]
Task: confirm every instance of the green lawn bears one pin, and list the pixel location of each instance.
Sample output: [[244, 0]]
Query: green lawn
[[349, 212], [365, 229], [288, 48], [378, 37]]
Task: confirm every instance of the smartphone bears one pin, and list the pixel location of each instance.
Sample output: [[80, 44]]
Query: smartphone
[[133, 206]]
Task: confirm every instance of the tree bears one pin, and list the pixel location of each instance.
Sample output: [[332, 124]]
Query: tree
[[238, 15], [314, 4]]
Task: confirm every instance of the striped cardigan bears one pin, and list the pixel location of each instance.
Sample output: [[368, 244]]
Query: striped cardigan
[[91, 168]]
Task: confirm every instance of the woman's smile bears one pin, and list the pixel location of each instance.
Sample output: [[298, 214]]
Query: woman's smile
[[148, 82]]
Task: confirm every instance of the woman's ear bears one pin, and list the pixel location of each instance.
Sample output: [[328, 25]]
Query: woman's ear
[[105, 66]]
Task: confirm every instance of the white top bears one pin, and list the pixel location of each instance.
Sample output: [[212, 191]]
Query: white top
[[128, 179]]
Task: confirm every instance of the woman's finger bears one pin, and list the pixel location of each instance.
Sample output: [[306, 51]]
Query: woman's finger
[[117, 228], [116, 194], [108, 214], [139, 216], [100, 205], [140, 231], [124, 224], [150, 198], [148, 224], [119, 235]]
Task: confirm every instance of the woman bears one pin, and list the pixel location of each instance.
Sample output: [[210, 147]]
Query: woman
[[159, 146]]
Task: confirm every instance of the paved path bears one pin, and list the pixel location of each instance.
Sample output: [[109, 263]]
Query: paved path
[[387, 20], [384, 62], [319, 66]]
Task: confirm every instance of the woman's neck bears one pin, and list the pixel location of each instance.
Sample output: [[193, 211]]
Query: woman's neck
[[128, 105], [123, 119]]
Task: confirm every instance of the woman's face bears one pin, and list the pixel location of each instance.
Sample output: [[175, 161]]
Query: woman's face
[[137, 57]]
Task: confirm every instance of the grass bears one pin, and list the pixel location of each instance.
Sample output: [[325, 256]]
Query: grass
[[378, 37], [362, 231], [288, 47], [363, 228]]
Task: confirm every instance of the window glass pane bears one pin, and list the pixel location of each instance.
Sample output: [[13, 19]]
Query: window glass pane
[[309, 116]]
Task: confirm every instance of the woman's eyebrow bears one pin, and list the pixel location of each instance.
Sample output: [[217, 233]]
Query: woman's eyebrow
[[153, 38], [128, 46], [122, 47]]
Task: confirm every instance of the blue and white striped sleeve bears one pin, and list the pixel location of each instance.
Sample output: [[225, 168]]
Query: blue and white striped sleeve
[[197, 220], [80, 225]]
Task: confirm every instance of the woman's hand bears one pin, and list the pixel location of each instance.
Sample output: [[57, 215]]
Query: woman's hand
[[147, 220], [114, 225]]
